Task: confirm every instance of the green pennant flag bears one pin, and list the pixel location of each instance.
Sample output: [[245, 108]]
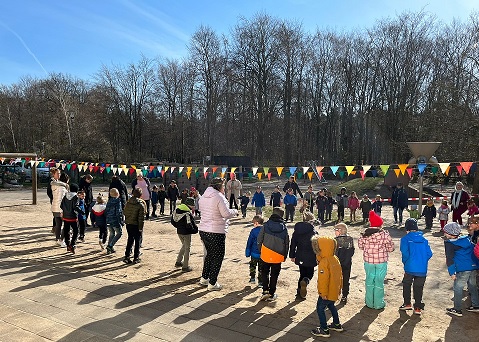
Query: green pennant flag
[[197, 174], [300, 175], [41, 164], [108, 169], [250, 175], [434, 169], [69, 166], [144, 172], [342, 174], [288, 174], [384, 169]]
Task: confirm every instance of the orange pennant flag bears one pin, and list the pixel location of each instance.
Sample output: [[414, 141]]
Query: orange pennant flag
[[466, 166], [403, 167], [259, 174], [396, 171], [188, 174], [310, 175], [279, 169], [319, 169]]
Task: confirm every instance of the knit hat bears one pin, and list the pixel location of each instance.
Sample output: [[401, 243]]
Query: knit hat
[[411, 224], [375, 220], [190, 201], [452, 228], [73, 187]]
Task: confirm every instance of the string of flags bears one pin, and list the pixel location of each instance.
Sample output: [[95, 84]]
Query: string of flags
[[152, 170]]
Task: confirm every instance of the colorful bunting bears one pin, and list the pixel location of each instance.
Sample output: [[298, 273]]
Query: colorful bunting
[[334, 169], [444, 167], [409, 171], [349, 169], [403, 167], [279, 169], [384, 169], [466, 166]]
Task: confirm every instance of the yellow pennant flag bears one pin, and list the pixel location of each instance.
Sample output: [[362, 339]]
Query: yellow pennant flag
[[233, 169], [444, 167], [222, 174], [384, 169], [310, 175], [349, 168], [188, 169], [266, 170], [260, 175], [166, 168], [188, 174], [403, 167], [279, 169], [396, 171]]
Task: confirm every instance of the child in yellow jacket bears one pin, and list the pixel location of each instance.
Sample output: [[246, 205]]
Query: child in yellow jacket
[[330, 280]]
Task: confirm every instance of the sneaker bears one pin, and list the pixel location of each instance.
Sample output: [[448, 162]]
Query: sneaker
[[299, 298], [405, 307], [215, 287], [178, 264], [335, 327], [260, 284], [70, 249], [320, 332], [473, 309], [203, 281], [81, 239], [265, 295], [63, 244], [417, 311], [344, 299], [303, 291], [136, 260], [127, 261], [454, 312], [186, 269], [102, 246], [272, 298], [108, 250], [58, 242], [252, 280]]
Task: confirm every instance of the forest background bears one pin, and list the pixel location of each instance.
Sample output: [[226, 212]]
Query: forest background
[[268, 90]]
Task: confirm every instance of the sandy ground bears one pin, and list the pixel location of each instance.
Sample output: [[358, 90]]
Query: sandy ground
[[25, 231]]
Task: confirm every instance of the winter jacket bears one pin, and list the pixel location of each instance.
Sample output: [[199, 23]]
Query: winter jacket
[[81, 205], [122, 189], [330, 276], [154, 197], [290, 199], [86, 187], [294, 186], [252, 249], [145, 188], [183, 221], [377, 207], [233, 187], [462, 205], [301, 249], [215, 212], [376, 245], [59, 190], [114, 212], [414, 213], [429, 212], [273, 240], [321, 202], [460, 255], [99, 210], [172, 193], [399, 198], [244, 200], [353, 203], [416, 253], [329, 205], [443, 212], [135, 210], [258, 199], [70, 207], [476, 250], [276, 198], [473, 210], [345, 250], [162, 195], [342, 200], [310, 198], [366, 207]]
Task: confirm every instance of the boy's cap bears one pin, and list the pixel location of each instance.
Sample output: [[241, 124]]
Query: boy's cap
[[414, 207], [365, 196], [375, 220], [190, 201], [73, 187], [411, 224], [452, 228]]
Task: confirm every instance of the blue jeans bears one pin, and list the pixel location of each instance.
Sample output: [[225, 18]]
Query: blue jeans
[[396, 211], [375, 274], [462, 278], [320, 306], [115, 234]]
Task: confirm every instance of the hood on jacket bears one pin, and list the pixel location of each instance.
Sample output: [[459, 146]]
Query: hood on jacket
[[415, 237], [275, 224], [69, 195], [98, 208], [303, 228], [133, 200], [210, 192], [323, 246]]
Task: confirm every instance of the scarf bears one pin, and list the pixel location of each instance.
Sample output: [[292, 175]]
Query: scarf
[[456, 199]]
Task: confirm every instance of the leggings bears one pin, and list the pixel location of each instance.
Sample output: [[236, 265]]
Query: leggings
[[215, 252]]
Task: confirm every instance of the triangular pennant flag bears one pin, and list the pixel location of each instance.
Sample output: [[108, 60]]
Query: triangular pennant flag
[[151, 168], [334, 169], [144, 172], [250, 175], [69, 166], [159, 168], [459, 169], [374, 173], [222, 174], [96, 168], [421, 167], [132, 171], [32, 163], [233, 169], [353, 172], [362, 172], [397, 171], [305, 169], [366, 168], [102, 168], [180, 169], [434, 169], [133, 167], [349, 169], [279, 169], [74, 166], [162, 173], [254, 169], [166, 168], [292, 170], [214, 169], [266, 170], [310, 175], [64, 165], [172, 169], [466, 166], [205, 168], [342, 174], [384, 169], [223, 171], [300, 175], [444, 167], [320, 174], [114, 169], [189, 168], [269, 175], [188, 174], [260, 175], [108, 169], [403, 167], [205, 174], [319, 169], [57, 165], [409, 171]]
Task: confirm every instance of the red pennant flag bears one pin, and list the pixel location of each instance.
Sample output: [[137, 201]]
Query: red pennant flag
[[409, 172], [362, 173], [205, 174], [459, 169], [74, 166], [131, 171], [466, 166], [96, 168], [269, 175], [162, 173]]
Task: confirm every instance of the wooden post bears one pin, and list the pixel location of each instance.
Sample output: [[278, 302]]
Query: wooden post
[[34, 170]]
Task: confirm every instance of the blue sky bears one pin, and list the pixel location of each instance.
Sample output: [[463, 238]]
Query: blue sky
[[76, 37]]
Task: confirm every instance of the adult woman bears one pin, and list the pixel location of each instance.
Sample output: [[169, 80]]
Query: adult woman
[[459, 200], [118, 184], [213, 228], [59, 186], [144, 185], [85, 185]]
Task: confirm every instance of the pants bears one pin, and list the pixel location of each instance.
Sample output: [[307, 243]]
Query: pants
[[375, 274], [115, 235], [289, 212], [457, 216], [172, 206], [397, 212], [340, 213], [102, 235], [58, 225], [82, 226], [162, 206], [66, 232], [253, 264], [258, 210], [184, 254], [243, 210], [346, 275], [215, 252], [87, 212], [329, 211], [321, 215], [147, 216], [269, 283], [443, 223], [233, 202], [428, 222], [463, 278], [304, 272], [154, 206], [417, 283], [134, 236], [320, 307]]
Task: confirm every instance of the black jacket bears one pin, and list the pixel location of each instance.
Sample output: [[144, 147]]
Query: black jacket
[[85, 186], [122, 189], [293, 186], [70, 207], [301, 248], [183, 221], [345, 250], [173, 193]]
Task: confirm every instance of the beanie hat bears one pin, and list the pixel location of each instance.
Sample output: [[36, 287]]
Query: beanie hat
[[411, 224], [375, 220], [190, 201], [73, 187], [452, 228]]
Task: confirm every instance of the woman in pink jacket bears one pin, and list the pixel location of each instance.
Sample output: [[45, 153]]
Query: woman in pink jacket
[[213, 227]]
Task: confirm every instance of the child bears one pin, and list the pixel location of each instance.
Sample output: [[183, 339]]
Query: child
[[429, 212], [81, 217], [302, 254], [290, 202], [462, 266], [472, 209], [259, 201], [353, 205], [321, 204], [253, 251], [473, 229], [244, 200], [276, 197], [162, 196], [70, 211], [114, 219], [329, 206], [344, 252], [184, 196], [309, 198], [413, 212], [366, 207], [376, 244], [185, 225], [173, 194], [99, 211], [135, 210], [443, 212], [329, 284], [342, 202], [154, 200], [416, 253], [377, 205], [273, 243], [196, 196]]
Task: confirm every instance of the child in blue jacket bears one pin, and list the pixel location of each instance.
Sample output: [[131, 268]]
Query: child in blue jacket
[[290, 202], [253, 251], [259, 201], [416, 253]]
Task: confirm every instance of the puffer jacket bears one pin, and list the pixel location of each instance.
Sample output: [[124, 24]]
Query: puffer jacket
[[114, 213], [135, 212], [183, 221], [215, 212], [416, 253], [345, 250], [70, 207], [252, 244], [99, 210], [460, 255], [301, 249], [59, 190], [330, 276], [273, 240]]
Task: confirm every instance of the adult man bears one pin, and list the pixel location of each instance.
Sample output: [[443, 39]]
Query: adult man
[[293, 185], [459, 202], [233, 189], [399, 202]]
